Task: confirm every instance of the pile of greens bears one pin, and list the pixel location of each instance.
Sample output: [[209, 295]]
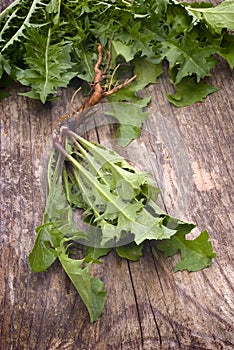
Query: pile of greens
[[91, 184], [44, 44]]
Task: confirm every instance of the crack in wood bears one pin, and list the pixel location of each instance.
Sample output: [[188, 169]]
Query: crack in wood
[[164, 299], [156, 323], [136, 303]]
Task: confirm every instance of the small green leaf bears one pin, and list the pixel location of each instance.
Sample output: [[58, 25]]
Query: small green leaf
[[146, 72], [189, 92], [130, 117], [131, 251], [195, 254], [126, 133], [4, 66], [122, 50], [86, 63], [188, 59], [42, 255]]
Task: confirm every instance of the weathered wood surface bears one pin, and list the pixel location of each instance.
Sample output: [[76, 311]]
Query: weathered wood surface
[[190, 153]]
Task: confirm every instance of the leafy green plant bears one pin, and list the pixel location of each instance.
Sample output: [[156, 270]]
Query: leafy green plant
[[53, 70], [185, 35], [117, 205]]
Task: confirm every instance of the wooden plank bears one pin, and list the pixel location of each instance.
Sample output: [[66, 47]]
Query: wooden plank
[[190, 153]]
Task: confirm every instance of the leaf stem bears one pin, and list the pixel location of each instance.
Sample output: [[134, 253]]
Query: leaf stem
[[43, 93], [91, 180]]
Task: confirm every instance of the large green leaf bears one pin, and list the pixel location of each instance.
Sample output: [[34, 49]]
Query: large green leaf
[[219, 17], [90, 289]]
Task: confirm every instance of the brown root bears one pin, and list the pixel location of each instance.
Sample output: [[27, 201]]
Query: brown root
[[98, 91]]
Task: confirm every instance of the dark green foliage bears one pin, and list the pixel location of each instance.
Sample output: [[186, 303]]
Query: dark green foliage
[[43, 44]]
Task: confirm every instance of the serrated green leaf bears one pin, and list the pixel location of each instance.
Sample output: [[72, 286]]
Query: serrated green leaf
[[50, 65], [131, 116], [195, 254], [152, 226], [189, 92], [188, 58]]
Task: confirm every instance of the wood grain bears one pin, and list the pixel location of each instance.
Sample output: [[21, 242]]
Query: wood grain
[[189, 151]]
